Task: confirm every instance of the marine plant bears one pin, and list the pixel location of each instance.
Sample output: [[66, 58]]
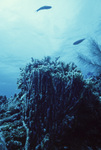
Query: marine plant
[[95, 60]]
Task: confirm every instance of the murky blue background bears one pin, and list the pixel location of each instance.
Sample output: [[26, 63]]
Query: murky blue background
[[25, 33]]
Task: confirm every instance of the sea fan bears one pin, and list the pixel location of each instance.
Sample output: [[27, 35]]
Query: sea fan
[[95, 61]]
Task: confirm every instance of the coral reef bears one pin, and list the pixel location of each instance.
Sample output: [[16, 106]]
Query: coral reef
[[56, 109]]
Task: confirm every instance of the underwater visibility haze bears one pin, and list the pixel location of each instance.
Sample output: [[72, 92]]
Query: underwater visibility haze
[[50, 74], [26, 33]]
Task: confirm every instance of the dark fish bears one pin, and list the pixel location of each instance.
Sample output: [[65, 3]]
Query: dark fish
[[78, 42], [44, 7]]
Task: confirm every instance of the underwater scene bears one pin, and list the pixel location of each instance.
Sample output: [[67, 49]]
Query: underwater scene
[[50, 74]]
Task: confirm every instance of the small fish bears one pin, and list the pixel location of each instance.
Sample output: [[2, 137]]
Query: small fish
[[44, 7], [78, 42]]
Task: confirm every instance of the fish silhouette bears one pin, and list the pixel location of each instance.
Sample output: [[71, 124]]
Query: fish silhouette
[[44, 7], [78, 42]]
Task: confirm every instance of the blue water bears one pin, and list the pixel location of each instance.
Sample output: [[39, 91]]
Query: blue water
[[25, 33]]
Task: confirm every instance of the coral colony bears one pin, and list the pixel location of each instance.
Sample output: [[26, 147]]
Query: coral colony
[[56, 109]]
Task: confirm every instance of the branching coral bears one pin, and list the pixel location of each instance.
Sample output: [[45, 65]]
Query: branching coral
[[56, 109], [54, 99]]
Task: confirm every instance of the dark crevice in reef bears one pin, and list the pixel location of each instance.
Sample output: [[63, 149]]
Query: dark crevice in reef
[[56, 109]]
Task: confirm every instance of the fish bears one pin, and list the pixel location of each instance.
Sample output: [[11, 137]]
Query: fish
[[44, 7], [78, 42]]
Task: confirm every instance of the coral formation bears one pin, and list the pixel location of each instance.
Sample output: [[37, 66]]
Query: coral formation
[[56, 109]]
